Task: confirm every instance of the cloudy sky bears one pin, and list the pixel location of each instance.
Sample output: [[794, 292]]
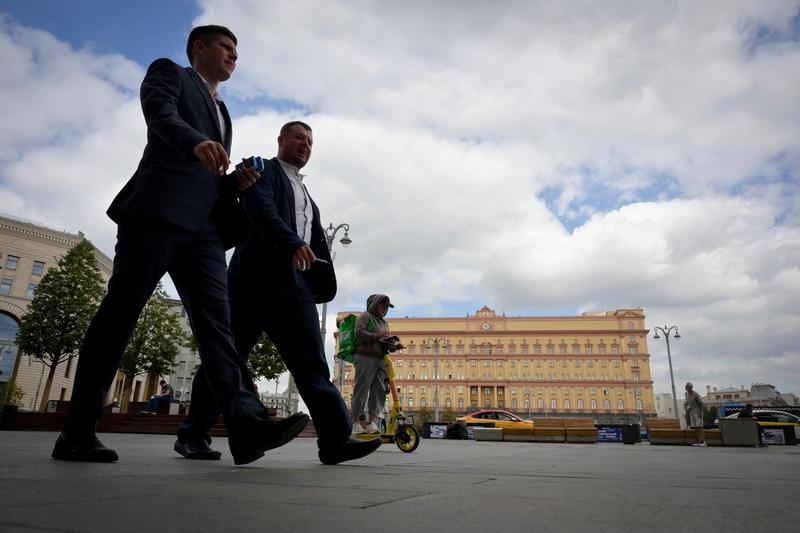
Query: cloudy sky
[[537, 157]]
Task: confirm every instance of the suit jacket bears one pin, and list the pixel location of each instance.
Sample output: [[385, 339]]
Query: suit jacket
[[263, 260], [170, 183]]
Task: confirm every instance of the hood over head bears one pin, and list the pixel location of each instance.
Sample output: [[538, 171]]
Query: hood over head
[[374, 300]]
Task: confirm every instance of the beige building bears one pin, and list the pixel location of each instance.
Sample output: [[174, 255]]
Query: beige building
[[27, 251], [594, 364]]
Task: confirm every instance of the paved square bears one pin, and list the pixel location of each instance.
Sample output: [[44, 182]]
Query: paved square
[[444, 486]]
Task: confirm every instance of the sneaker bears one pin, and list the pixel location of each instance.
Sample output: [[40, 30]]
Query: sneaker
[[144, 412], [703, 444], [358, 429], [371, 428]]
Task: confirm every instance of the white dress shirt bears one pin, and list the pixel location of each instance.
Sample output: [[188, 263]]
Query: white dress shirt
[[222, 129], [303, 212]]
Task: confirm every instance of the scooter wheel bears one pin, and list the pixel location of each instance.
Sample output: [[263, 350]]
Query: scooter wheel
[[407, 438]]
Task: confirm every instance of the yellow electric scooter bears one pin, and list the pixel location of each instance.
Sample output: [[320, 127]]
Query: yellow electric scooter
[[402, 433]]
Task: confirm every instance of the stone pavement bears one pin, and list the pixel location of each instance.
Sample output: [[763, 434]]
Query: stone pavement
[[444, 486]]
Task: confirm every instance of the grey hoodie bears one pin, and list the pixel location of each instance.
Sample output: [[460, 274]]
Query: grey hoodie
[[367, 335]]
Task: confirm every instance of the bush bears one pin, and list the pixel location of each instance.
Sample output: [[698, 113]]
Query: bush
[[10, 394]]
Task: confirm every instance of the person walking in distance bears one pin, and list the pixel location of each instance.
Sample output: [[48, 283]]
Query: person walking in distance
[[693, 405]]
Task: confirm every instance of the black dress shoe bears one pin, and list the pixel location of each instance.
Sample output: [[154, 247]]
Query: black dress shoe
[[197, 449], [352, 449], [250, 439], [83, 448]]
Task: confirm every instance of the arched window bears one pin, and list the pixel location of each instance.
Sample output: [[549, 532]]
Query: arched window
[[540, 403], [513, 403], [461, 403], [411, 402], [566, 404], [553, 404], [423, 402], [594, 405], [620, 405], [580, 403], [447, 402], [639, 405], [8, 348], [607, 405]]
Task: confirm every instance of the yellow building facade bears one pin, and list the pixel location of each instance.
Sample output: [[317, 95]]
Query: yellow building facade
[[594, 364]]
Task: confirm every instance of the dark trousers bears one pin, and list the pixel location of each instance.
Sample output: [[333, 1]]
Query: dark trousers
[[156, 402], [196, 263], [290, 319]]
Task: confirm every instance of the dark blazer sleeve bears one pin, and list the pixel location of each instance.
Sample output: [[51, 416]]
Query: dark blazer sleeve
[[160, 93], [260, 204]]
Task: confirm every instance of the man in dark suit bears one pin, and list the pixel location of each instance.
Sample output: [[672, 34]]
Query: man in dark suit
[[175, 215], [275, 281]]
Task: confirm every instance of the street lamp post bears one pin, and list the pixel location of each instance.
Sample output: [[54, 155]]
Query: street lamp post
[[330, 236], [528, 394], [436, 341], [666, 331]]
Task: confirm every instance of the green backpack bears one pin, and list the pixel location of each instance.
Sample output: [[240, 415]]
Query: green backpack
[[347, 337]]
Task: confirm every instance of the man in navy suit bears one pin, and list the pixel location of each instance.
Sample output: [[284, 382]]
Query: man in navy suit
[[178, 215], [275, 281]]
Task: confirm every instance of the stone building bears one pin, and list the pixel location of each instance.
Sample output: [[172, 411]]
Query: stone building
[[27, 251], [595, 364]]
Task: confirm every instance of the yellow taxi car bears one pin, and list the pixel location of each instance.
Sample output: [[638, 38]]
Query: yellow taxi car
[[500, 419], [771, 419]]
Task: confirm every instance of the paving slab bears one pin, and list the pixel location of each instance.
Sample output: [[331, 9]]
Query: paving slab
[[444, 486]]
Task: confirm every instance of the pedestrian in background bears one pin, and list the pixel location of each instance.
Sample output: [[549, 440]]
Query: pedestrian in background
[[369, 388], [694, 411]]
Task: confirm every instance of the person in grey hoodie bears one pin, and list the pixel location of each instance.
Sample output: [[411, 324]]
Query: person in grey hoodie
[[369, 389]]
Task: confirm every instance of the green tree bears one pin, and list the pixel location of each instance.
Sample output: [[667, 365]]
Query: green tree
[[448, 415], [62, 308], [154, 345], [264, 361], [10, 394], [425, 414]]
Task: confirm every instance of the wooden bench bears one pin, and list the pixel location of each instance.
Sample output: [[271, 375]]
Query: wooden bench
[[580, 430], [518, 434], [490, 434], [549, 430], [668, 431]]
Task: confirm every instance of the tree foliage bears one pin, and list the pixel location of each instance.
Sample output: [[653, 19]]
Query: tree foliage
[[155, 343], [62, 308], [264, 361], [424, 414]]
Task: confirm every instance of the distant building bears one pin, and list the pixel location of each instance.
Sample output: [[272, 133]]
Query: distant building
[[595, 364], [715, 396], [764, 395], [280, 401], [665, 407], [790, 399], [27, 251], [186, 362]]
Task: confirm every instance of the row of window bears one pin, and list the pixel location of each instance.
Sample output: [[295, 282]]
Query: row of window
[[7, 283], [489, 391], [540, 404], [497, 349], [12, 261], [488, 376], [525, 363]]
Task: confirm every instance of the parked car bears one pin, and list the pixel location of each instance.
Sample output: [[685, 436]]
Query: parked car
[[500, 419], [768, 418]]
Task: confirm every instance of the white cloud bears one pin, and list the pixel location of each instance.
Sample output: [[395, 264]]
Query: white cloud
[[439, 127]]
